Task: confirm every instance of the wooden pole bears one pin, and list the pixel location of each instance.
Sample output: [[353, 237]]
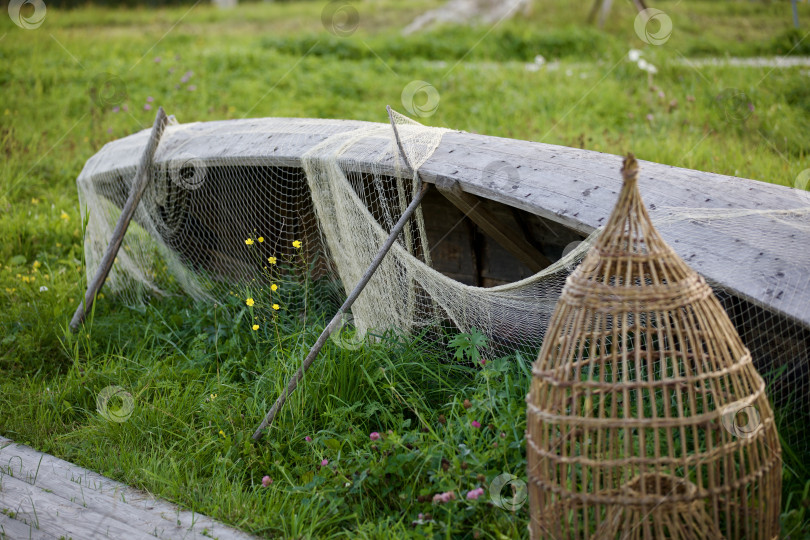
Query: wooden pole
[[795, 6], [602, 7], [336, 320], [139, 184]]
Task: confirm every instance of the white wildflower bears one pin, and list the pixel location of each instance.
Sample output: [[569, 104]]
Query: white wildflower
[[646, 66]]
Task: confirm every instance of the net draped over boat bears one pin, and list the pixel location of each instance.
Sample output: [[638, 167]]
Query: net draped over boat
[[225, 210]]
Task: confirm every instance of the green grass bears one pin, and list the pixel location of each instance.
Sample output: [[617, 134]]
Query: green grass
[[200, 384], [172, 356]]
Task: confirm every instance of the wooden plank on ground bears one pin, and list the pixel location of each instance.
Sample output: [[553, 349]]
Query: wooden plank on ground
[[73, 485], [13, 529], [57, 516]]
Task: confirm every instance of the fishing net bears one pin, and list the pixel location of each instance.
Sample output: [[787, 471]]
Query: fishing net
[[287, 214]]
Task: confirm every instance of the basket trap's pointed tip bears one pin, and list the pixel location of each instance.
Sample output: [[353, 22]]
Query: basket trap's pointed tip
[[630, 168]]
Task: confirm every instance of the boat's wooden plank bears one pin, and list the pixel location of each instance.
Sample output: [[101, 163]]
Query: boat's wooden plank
[[282, 140], [576, 188], [502, 233], [581, 185], [59, 517], [13, 529], [98, 493]]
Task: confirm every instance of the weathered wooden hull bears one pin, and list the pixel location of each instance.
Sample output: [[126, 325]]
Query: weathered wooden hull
[[553, 195], [550, 196]]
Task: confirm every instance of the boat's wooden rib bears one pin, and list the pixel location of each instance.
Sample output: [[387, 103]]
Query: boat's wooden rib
[[501, 232], [574, 188]]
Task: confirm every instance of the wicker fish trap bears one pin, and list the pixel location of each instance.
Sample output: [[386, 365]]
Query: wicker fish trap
[[646, 417]]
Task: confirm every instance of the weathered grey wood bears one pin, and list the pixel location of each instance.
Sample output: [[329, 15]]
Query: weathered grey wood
[[57, 516], [575, 188], [640, 5], [12, 529], [97, 493], [142, 176], [603, 13], [101, 496], [602, 7], [501, 232]]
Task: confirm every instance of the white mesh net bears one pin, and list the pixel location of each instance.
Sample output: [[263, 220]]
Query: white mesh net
[[228, 204]]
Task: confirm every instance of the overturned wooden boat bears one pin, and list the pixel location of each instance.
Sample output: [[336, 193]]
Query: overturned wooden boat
[[503, 211]]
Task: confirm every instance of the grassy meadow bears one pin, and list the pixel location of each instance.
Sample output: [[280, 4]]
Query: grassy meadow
[[201, 378]]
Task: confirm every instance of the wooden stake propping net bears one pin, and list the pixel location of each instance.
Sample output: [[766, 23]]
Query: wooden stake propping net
[[646, 417]]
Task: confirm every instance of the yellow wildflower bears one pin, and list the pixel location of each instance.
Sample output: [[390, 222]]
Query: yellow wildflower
[[273, 287], [64, 216], [37, 264], [214, 396], [255, 327], [260, 239], [271, 260], [297, 244], [249, 241], [221, 432], [34, 201], [276, 307], [249, 301]]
